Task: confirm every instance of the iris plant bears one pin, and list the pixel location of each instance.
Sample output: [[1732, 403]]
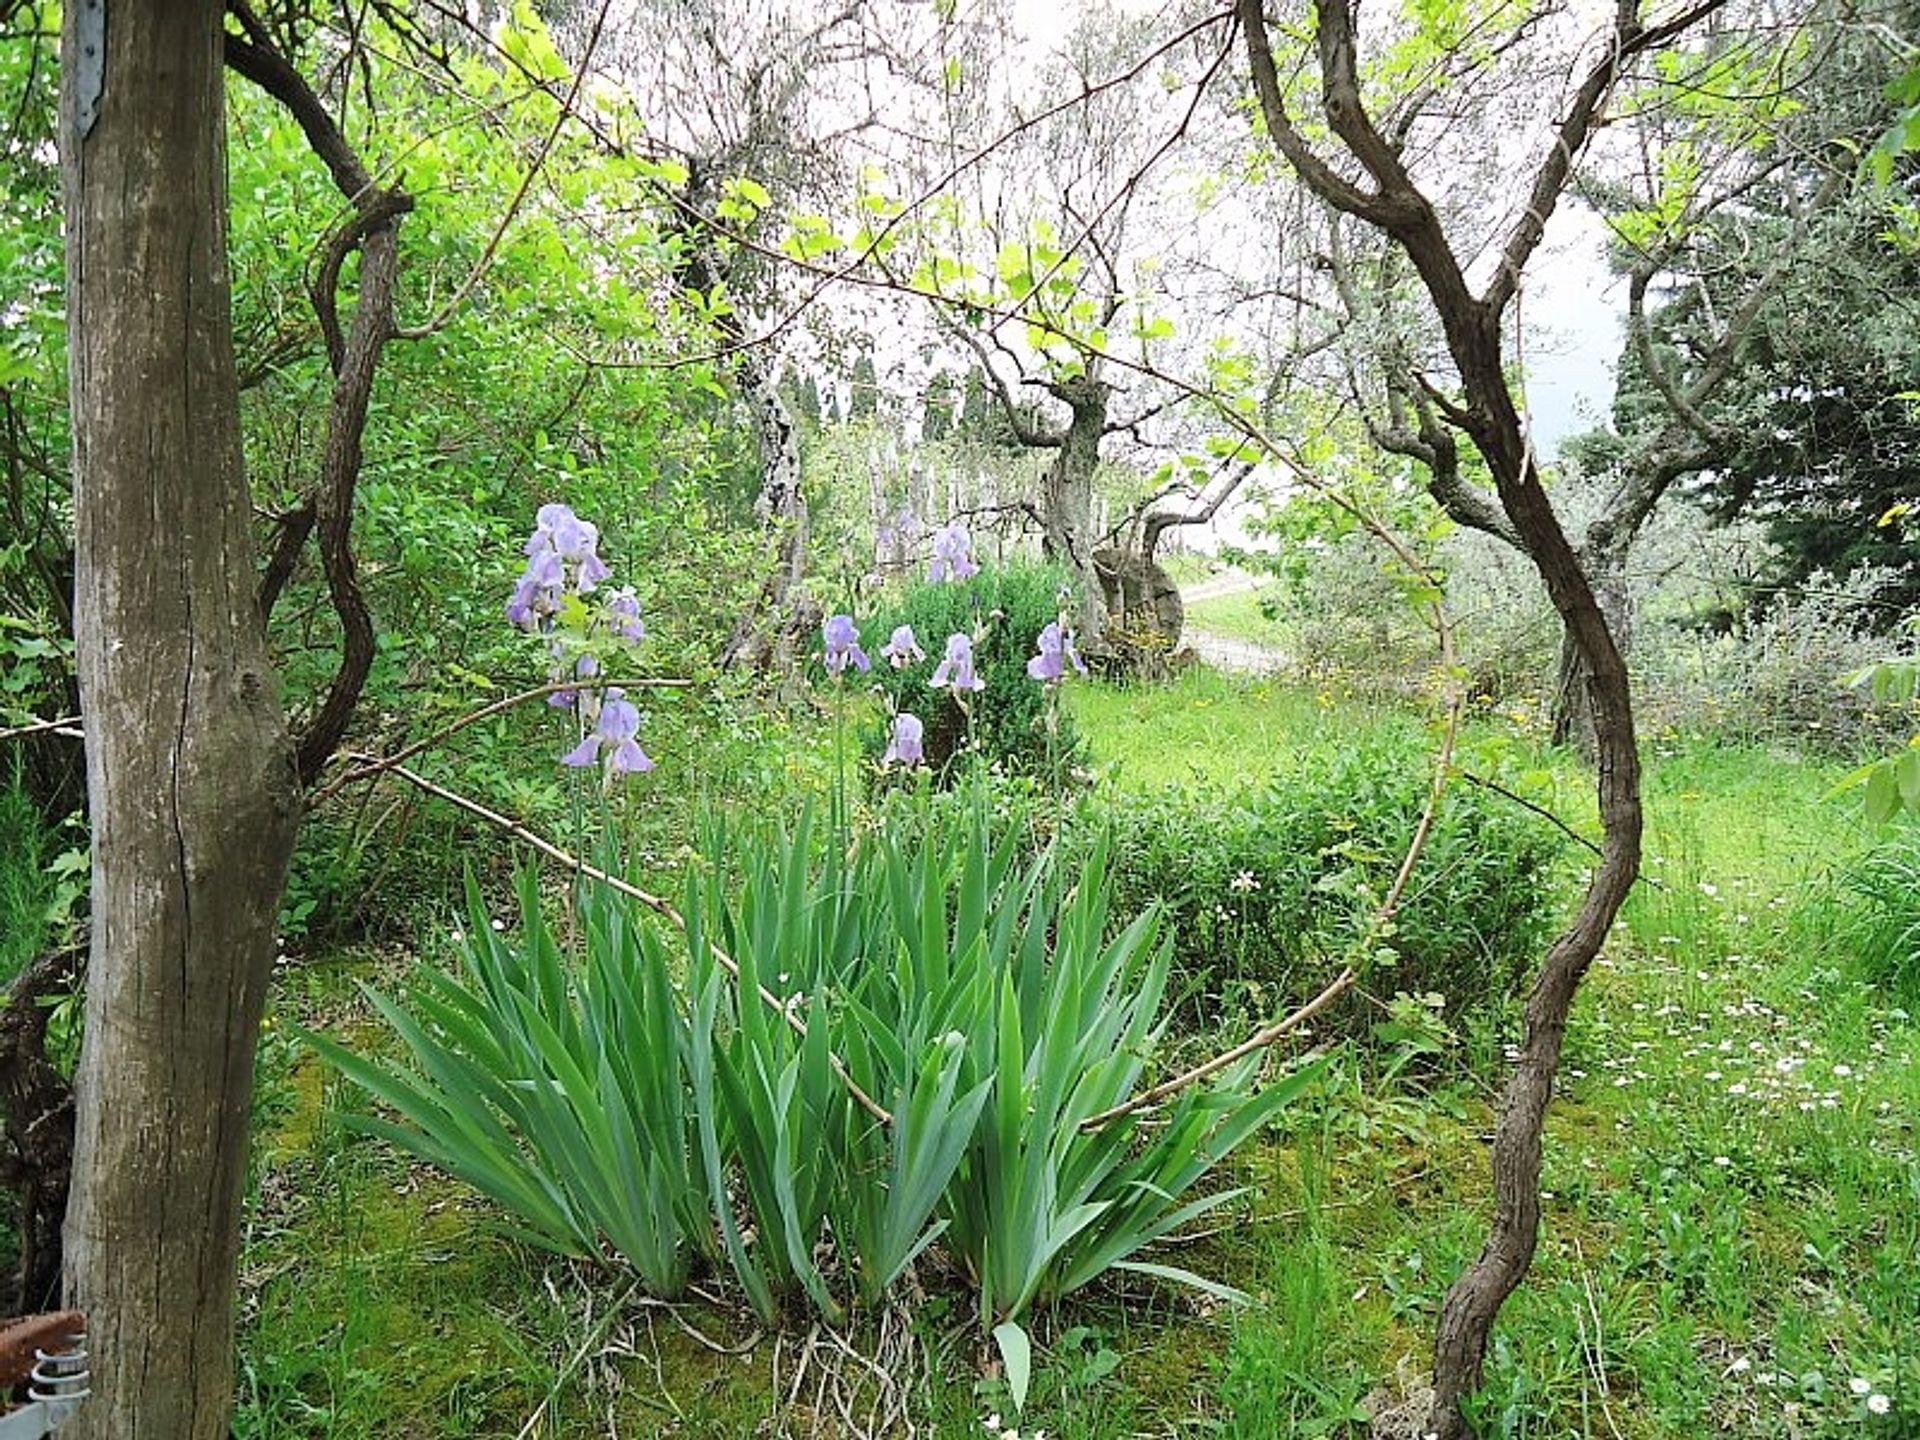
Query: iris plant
[[616, 731], [843, 646], [1055, 646], [907, 745], [903, 649]]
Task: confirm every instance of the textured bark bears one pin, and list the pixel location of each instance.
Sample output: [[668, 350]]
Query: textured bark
[[1571, 716], [773, 632], [1066, 508], [194, 800]]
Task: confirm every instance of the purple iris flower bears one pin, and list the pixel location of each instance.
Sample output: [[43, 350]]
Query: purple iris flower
[[560, 539], [585, 668], [952, 554], [956, 669], [539, 593], [908, 742], [1055, 645], [625, 608], [616, 731], [903, 649], [843, 644]]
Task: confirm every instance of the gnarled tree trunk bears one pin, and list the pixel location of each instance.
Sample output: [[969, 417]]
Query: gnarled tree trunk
[[190, 773], [1066, 501]]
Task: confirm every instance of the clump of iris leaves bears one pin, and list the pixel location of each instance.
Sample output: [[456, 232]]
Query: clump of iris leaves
[[624, 1098]]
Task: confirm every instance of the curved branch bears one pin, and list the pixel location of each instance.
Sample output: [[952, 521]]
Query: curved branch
[[333, 496], [1321, 178], [327, 509], [1025, 429]]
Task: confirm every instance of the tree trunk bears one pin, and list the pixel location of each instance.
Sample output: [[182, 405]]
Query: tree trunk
[[774, 630], [1066, 510], [1571, 710], [190, 773], [1473, 1302]]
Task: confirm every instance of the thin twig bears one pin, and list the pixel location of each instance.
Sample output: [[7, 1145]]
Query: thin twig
[[1257, 1041], [594, 1337], [376, 767], [1545, 814], [64, 726], [655, 903]]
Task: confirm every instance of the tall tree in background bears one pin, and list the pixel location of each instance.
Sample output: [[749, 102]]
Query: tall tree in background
[[736, 90], [191, 780], [1748, 246]]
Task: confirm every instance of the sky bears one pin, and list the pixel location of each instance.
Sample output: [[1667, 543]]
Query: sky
[[1572, 314]]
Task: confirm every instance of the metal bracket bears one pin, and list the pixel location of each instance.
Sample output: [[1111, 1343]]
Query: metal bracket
[[89, 75], [59, 1382]]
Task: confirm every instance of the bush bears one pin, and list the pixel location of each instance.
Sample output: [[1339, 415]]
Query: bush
[[42, 884], [1779, 675], [1003, 608], [1271, 889], [641, 1097], [25, 891]]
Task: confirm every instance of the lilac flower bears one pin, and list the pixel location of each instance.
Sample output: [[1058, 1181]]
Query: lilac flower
[[956, 669], [908, 742], [625, 609], [1055, 645], [952, 554], [585, 668], [903, 649], [843, 644], [560, 539], [616, 732]]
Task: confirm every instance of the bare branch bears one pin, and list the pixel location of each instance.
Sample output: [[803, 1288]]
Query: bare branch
[[1022, 421], [1321, 178]]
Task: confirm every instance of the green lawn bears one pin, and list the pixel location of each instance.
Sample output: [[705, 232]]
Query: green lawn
[[1236, 616]]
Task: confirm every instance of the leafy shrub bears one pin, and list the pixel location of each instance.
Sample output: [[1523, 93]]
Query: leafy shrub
[[25, 891], [642, 1097], [1777, 675], [1869, 913], [1003, 608], [1272, 888]]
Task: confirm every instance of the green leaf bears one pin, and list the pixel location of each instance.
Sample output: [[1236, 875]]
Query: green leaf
[[1883, 793], [1016, 1353], [1907, 769]]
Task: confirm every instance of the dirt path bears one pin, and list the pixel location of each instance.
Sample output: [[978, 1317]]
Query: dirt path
[[1231, 583], [1229, 652]]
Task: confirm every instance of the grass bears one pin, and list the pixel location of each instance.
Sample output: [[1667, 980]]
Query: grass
[[1732, 1235], [1208, 726]]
